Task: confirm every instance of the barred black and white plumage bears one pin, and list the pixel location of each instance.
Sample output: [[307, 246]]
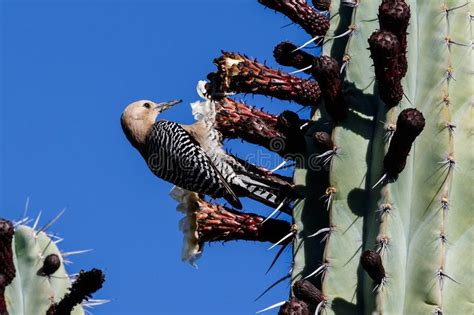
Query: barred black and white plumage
[[192, 157], [175, 156]]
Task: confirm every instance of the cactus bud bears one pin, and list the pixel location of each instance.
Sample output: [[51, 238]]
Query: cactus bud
[[51, 264], [384, 49], [285, 54], [237, 73], [307, 292], [326, 71], [372, 264], [394, 16], [294, 307], [410, 124], [313, 22], [87, 282]]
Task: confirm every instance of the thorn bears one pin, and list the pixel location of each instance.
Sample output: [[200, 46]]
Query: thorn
[[384, 176], [445, 204], [271, 307], [450, 127], [450, 162], [319, 307], [384, 209], [323, 230], [94, 302], [383, 243], [275, 211], [50, 223], [293, 232], [321, 269], [36, 221], [301, 70], [276, 257], [443, 237], [279, 166], [304, 125], [329, 195], [27, 204], [77, 252], [440, 274], [273, 285]]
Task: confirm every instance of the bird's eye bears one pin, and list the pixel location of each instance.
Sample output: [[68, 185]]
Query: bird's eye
[[147, 105]]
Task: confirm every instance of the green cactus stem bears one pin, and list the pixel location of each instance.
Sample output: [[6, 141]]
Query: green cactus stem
[[34, 269]]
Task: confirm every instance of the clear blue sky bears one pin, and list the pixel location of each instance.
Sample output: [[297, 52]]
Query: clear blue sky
[[68, 69]]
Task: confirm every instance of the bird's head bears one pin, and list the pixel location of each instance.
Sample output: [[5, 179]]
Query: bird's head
[[138, 119]]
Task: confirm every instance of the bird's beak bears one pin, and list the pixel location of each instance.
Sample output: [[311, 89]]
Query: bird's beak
[[161, 107]]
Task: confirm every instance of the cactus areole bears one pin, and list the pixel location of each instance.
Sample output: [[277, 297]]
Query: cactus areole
[[387, 226]]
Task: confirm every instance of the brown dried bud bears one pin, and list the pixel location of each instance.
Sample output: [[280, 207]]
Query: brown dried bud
[[383, 45], [324, 140], [372, 264], [385, 51], [326, 72], [7, 268], [313, 22], [322, 5], [237, 73], [410, 124], [294, 307], [51, 264], [286, 55], [307, 292], [394, 16], [81, 290]]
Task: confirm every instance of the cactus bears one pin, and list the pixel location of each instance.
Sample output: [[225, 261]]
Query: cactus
[[384, 165], [37, 281]]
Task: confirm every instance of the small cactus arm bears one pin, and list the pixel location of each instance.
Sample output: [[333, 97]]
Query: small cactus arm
[[37, 282]]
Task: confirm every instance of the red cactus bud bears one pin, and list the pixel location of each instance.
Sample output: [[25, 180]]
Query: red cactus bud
[[237, 120], [372, 264], [294, 307], [7, 268], [307, 292], [313, 22], [50, 265], [237, 73], [86, 283], [216, 223], [410, 124]]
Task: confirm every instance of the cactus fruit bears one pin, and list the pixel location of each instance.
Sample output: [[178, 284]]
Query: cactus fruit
[[33, 279]]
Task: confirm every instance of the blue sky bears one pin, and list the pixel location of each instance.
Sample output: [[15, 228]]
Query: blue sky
[[68, 69]]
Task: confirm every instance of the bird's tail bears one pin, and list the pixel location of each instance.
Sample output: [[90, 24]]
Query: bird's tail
[[261, 185]]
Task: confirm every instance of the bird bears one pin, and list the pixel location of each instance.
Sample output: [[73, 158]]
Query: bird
[[191, 156]]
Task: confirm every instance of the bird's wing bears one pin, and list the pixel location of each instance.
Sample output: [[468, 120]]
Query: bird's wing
[[174, 155]]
